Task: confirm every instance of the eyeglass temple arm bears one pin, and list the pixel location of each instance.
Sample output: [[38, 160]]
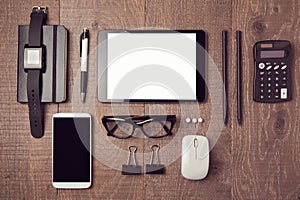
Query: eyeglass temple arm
[[168, 130], [113, 129], [163, 125], [144, 122]]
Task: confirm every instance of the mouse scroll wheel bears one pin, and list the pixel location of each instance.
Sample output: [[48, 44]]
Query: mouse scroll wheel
[[196, 143]]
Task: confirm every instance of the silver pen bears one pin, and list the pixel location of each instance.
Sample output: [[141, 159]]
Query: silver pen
[[84, 47]]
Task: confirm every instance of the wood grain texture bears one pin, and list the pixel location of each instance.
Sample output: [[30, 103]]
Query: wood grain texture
[[25, 162], [109, 153], [257, 160], [205, 15], [265, 148]]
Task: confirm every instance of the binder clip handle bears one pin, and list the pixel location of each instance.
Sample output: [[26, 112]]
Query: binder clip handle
[[155, 149], [155, 168], [130, 169], [132, 151]]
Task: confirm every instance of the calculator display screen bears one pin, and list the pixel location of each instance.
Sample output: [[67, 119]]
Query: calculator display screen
[[272, 54]]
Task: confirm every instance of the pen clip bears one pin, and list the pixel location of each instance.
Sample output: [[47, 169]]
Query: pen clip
[[83, 35]]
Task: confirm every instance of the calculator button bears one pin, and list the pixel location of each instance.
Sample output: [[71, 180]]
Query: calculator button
[[269, 79], [277, 72], [262, 91], [261, 78], [284, 72], [269, 97], [262, 85], [276, 84], [283, 67], [282, 63], [284, 78], [269, 84], [276, 90], [283, 93], [268, 63], [269, 72], [283, 84], [269, 67], [261, 96], [276, 78], [276, 96], [261, 65], [269, 91], [276, 67]]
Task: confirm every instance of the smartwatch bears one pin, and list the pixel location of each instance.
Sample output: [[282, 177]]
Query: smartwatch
[[34, 65]]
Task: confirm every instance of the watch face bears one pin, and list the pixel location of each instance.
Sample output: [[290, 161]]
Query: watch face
[[33, 58]]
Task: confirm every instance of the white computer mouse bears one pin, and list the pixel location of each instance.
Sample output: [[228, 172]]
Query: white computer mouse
[[195, 157]]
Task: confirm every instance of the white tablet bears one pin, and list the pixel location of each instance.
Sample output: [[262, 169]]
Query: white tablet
[[151, 65]]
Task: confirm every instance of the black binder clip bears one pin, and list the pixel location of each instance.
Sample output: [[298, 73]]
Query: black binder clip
[[132, 169], [155, 168]]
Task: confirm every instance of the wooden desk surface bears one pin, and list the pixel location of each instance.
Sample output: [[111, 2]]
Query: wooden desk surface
[[257, 160]]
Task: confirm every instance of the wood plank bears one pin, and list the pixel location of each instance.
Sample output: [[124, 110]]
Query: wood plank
[[258, 160], [25, 162], [264, 148], [212, 17], [109, 153]]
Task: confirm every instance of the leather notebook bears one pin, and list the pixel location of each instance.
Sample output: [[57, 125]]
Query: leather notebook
[[54, 78]]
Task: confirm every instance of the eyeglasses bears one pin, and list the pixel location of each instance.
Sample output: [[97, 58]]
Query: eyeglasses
[[154, 126]]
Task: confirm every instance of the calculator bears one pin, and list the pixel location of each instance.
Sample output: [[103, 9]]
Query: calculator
[[272, 71]]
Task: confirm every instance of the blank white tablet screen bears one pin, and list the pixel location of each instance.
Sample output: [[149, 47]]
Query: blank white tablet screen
[[151, 66]]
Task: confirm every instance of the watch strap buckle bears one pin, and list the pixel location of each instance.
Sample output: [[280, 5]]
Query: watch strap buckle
[[39, 9]]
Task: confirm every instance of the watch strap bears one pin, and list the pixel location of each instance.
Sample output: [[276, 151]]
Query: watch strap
[[34, 103], [35, 28], [37, 18]]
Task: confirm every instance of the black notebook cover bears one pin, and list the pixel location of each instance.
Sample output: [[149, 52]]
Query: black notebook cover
[[54, 79]]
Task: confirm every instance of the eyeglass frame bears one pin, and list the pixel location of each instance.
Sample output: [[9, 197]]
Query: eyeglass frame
[[145, 119]]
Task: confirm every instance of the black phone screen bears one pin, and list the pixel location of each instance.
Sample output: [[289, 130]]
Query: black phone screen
[[71, 149]]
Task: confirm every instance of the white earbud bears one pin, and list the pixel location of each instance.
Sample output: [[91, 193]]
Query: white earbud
[[188, 120], [194, 120], [200, 120]]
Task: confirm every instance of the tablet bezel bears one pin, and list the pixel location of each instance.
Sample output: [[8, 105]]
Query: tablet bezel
[[201, 89]]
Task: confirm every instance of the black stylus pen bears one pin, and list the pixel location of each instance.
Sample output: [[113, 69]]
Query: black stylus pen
[[224, 70], [239, 75], [84, 46]]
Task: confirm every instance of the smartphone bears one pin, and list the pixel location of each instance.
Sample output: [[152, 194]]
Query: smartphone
[[71, 150]]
